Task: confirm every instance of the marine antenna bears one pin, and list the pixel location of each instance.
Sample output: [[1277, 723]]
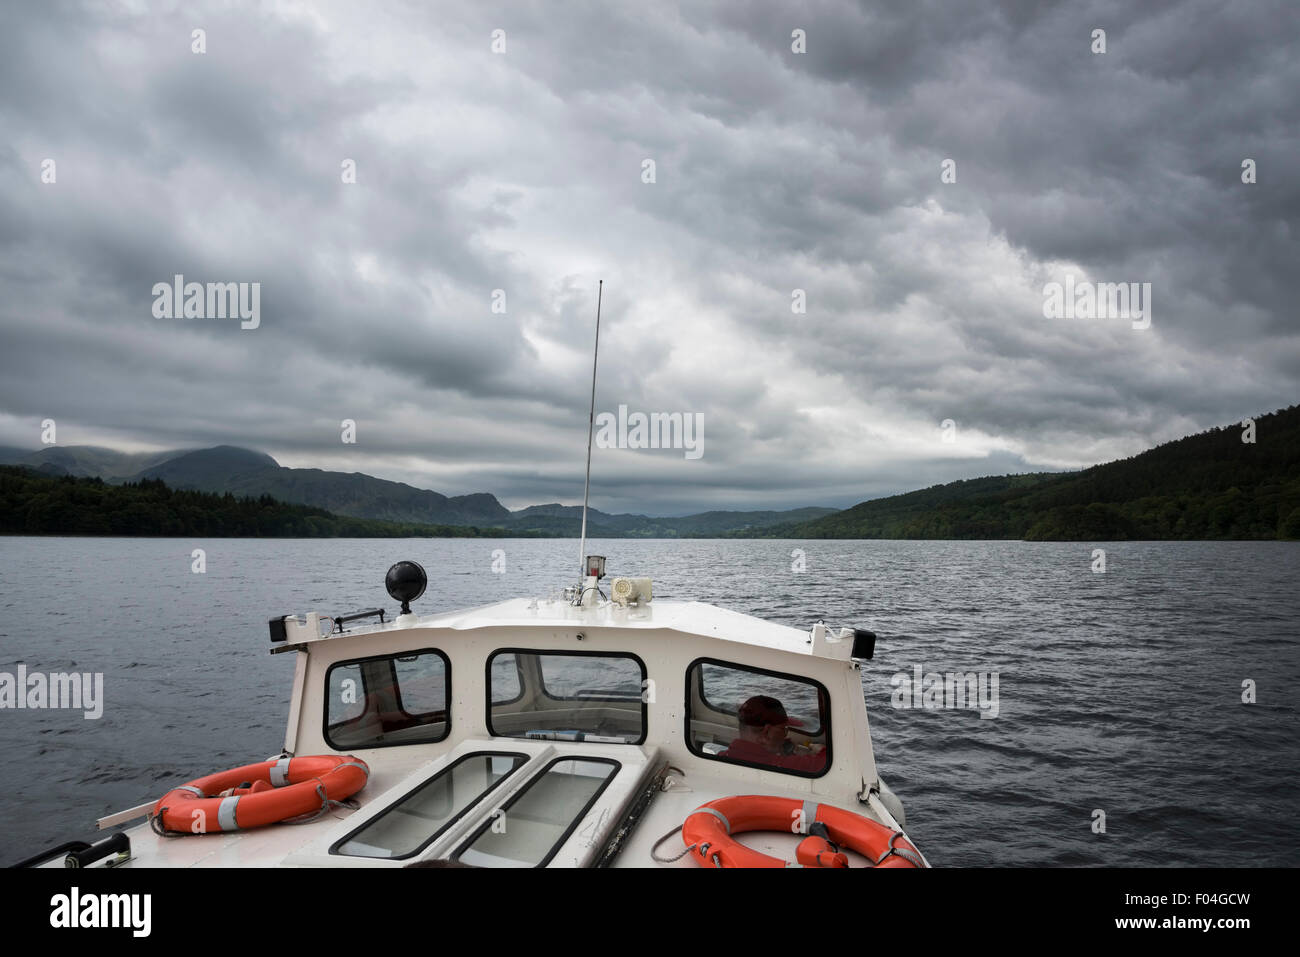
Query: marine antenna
[[591, 421]]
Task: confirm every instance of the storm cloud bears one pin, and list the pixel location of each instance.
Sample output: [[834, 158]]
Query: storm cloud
[[517, 161]]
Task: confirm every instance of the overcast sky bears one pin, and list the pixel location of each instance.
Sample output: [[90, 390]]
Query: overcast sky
[[774, 171]]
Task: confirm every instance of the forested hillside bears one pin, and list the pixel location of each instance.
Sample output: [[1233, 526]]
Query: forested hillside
[[35, 504], [1208, 486]]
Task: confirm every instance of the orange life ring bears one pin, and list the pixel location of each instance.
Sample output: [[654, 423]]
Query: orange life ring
[[259, 794], [709, 830]]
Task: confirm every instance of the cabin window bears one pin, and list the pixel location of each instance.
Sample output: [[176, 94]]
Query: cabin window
[[420, 817], [534, 824], [387, 701], [757, 718], [566, 696], [507, 680]]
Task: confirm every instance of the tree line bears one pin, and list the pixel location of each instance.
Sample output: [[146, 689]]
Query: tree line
[[1237, 482], [36, 504]]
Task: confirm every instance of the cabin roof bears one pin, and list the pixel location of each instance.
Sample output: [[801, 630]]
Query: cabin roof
[[685, 617]]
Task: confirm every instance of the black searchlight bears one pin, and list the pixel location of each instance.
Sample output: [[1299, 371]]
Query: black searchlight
[[406, 582]]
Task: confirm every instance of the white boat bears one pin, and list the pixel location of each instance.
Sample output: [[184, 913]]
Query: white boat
[[582, 731]]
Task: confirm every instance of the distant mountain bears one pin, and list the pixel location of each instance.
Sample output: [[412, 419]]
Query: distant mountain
[[713, 523], [244, 472], [566, 520], [35, 504], [1207, 486], [219, 465], [86, 461], [32, 503]]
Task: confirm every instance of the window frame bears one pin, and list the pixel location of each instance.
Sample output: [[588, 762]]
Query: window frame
[[455, 819], [538, 652], [391, 658], [825, 722], [528, 786]]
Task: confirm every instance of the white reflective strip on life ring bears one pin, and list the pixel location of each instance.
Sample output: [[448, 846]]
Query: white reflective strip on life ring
[[809, 815], [188, 787], [280, 772], [716, 813], [226, 814]]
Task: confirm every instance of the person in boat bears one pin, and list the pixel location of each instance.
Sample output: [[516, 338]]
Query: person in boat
[[762, 740]]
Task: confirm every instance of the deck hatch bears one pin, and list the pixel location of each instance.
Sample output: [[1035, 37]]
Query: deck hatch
[[423, 814], [534, 824]]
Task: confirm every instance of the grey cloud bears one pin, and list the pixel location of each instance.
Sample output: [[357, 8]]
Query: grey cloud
[[775, 171]]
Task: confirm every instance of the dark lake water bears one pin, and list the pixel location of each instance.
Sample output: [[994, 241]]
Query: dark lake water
[[1118, 692]]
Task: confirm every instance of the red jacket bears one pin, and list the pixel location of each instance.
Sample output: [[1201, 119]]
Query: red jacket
[[755, 753]]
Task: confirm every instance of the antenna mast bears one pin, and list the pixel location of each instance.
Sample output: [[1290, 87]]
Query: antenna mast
[[591, 422]]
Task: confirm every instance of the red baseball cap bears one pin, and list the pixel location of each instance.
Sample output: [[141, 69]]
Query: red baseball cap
[[762, 710]]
